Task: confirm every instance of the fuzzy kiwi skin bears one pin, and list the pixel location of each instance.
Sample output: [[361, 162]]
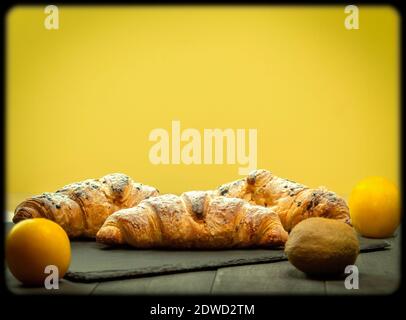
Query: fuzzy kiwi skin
[[322, 246]]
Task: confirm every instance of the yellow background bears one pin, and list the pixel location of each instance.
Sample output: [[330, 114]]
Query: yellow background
[[82, 100]]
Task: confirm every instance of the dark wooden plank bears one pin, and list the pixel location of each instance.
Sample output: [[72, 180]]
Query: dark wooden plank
[[65, 287], [269, 278], [379, 272], [180, 283]]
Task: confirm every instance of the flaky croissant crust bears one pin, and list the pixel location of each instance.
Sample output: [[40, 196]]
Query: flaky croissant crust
[[81, 208], [293, 202], [196, 219]]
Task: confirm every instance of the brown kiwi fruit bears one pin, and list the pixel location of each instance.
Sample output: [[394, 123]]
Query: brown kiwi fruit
[[322, 246]]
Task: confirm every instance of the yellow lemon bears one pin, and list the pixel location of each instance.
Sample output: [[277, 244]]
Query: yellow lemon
[[375, 207], [34, 244]]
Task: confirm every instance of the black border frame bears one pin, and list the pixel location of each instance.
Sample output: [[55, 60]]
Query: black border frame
[[265, 305]]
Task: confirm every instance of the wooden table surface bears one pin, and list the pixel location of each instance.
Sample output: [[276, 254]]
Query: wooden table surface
[[379, 273]]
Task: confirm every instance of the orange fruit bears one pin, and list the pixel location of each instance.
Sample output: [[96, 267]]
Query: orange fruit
[[375, 207], [34, 244]]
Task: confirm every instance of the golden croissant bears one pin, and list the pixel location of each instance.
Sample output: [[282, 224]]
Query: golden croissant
[[293, 202], [196, 219], [81, 208]]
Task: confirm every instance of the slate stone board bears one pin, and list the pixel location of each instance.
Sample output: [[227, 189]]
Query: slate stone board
[[93, 262]]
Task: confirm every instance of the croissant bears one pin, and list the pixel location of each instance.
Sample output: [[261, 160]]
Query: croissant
[[81, 208], [293, 202], [196, 219]]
